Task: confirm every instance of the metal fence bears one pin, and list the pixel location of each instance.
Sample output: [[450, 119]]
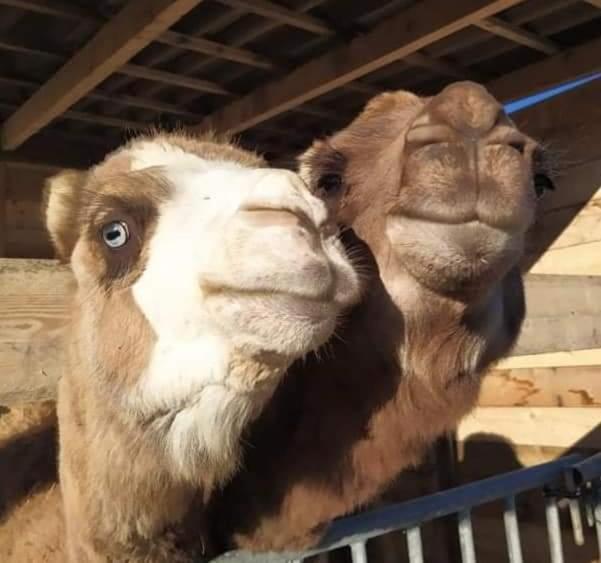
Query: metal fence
[[573, 478]]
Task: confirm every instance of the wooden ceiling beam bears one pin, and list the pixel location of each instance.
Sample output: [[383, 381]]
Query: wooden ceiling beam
[[399, 36], [441, 66], [132, 101], [173, 79], [132, 29], [92, 118], [215, 49], [518, 35], [281, 15], [571, 64], [55, 8], [170, 38], [132, 70]]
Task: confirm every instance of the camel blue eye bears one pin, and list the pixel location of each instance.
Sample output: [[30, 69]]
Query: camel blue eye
[[115, 234]]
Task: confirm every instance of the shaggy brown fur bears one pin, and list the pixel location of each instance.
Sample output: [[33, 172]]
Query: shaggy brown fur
[[439, 194]]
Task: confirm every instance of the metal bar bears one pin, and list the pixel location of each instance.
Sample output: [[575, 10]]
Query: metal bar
[[398, 516], [361, 527], [576, 520], [597, 511], [359, 553], [553, 530], [512, 531], [466, 537], [589, 502], [414, 545], [587, 469]]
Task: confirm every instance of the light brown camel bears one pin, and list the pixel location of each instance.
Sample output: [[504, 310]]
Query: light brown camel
[[202, 275], [438, 194]]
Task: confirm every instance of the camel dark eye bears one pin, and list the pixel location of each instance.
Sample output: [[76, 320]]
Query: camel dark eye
[[542, 183], [115, 234], [330, 184]]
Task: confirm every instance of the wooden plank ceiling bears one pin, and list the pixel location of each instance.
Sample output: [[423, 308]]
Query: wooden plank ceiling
[[278, 74]]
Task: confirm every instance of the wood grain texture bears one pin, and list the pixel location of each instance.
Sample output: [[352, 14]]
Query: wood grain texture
[[33, 315], [557, 427], [590, 357], [570, 386]]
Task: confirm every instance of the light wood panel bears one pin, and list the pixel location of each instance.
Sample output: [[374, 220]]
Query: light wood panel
[[557, 427], [584, 259], [543, 387], [590, 357], [32, 320]]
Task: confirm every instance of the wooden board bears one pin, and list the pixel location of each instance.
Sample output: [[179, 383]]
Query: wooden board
[[32, 320], [557, 427], [543, 387], [572, 322], [591, 357], [584, 259]]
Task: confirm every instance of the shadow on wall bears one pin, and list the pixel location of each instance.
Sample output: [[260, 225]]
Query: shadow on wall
[[482, 456], [28, 452]]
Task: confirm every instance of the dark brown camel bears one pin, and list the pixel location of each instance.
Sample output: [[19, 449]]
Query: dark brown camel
[[437, 194]]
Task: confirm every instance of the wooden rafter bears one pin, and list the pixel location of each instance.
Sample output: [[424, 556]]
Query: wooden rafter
[[568, 65], [398, 37], [132, 70], [93, 119], [519, 35], [134, 27], [97, 96], [281, 14], [170, 38]]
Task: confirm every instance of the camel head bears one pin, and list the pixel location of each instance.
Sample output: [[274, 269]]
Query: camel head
[[202, 274], [443, 188]]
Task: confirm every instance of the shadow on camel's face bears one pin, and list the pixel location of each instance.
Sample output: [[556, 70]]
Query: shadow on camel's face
[[444, 187]]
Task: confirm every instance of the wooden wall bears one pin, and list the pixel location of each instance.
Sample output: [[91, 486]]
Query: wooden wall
[[550, 403], [22, 232]]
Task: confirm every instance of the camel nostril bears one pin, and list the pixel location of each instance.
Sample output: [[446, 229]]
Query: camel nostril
[[519, 146]]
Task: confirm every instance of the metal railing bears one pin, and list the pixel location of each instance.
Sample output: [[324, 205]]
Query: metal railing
[[574, 478]]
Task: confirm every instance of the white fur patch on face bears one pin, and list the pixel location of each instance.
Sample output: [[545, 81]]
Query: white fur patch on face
[[223, 285], [156, 153], [201, 413]]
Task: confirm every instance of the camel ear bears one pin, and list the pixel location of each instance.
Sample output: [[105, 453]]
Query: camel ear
[[62, 194]]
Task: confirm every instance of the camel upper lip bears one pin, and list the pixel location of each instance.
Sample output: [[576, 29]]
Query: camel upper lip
[[303, 218]]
